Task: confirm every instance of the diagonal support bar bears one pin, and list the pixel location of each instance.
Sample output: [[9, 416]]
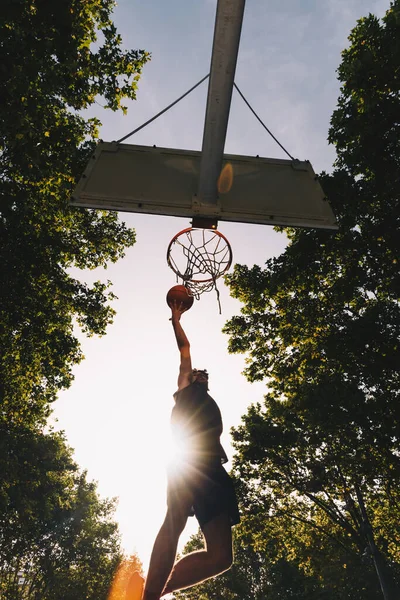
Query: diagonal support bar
[[228, 26]]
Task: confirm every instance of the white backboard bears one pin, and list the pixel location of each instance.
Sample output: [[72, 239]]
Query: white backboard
[[164, 181]]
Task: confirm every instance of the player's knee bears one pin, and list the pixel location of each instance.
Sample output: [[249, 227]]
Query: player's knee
[[223, 559], [227, 559]]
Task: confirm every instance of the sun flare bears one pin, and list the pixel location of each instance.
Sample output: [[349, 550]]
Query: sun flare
[[175, 451]]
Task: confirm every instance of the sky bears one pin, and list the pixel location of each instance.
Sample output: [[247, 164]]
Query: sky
[[116, 413]]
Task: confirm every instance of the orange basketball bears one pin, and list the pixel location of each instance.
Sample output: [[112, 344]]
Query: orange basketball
[[181, 296]]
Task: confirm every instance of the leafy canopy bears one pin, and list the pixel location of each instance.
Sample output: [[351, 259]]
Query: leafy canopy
[[320, 324], [55, 59]]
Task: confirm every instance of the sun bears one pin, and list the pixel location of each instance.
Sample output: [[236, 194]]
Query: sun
[[175, 450]]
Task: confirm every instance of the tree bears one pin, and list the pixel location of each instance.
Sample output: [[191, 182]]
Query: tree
[[321, 325], [55, 59], [58, 539], [264, 571]]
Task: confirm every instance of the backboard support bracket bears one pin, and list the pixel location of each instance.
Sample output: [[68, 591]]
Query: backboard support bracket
[[200, 222]]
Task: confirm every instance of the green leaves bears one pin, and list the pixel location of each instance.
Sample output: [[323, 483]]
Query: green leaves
[[55, 530], [364, 126], [50, 71], [55, 59], [320, 324]]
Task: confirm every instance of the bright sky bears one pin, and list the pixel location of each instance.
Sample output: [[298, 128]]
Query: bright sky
[[116, 414]]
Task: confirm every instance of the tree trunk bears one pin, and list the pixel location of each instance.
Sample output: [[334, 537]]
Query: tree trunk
[[386, 584]]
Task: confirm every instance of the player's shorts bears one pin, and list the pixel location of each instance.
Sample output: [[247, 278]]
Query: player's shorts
[[209, 488]]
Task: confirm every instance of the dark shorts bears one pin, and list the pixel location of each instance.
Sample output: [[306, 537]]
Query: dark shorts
[[205, 492]]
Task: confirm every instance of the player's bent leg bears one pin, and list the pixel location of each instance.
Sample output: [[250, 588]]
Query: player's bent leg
[[218, 536], [215, 559]]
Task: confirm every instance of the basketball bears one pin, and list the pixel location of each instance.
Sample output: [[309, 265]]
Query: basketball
[[181, 296]]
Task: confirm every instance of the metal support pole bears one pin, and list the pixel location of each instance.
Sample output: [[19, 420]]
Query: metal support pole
[[228, 26]]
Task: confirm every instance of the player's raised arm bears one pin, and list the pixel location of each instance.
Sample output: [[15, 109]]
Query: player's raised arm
[[185, 369]]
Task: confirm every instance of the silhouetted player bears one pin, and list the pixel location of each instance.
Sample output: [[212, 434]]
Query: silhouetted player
[[197, 485]]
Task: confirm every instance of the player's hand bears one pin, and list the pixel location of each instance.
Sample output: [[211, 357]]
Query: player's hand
[[177, 309]]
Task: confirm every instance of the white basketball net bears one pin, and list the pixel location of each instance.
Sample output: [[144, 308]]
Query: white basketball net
[[199, 257]]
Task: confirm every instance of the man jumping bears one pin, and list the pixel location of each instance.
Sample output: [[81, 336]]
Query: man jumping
[[197, 485]]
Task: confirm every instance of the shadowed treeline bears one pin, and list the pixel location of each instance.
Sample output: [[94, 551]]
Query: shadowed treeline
[[58, 539]]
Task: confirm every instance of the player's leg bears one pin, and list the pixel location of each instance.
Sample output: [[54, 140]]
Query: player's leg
[[165, 546], [215, 559]]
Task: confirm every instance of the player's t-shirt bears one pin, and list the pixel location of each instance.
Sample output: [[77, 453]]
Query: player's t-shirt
[[197, 425]]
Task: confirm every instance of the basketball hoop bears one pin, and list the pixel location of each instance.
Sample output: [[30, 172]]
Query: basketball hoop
[[199, 257]]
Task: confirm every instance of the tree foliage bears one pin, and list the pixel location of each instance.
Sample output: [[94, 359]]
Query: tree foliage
[[57, 538], [55, 58], [320, 324], [256, 574]]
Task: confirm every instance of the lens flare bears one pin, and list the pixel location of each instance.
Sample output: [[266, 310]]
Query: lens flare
[[176, 451], [128, 582], [225, 180]]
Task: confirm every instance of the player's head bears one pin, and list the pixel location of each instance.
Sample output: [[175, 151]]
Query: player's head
[[200, 376]]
